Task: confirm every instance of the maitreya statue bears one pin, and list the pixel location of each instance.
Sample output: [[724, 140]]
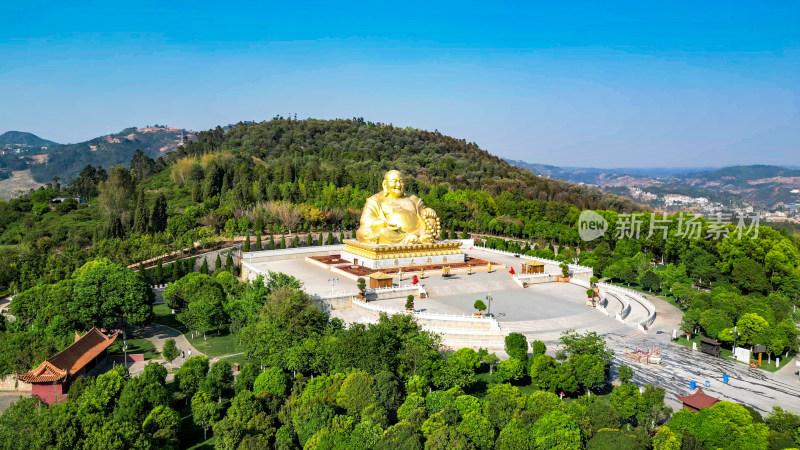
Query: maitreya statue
[[391, 217]]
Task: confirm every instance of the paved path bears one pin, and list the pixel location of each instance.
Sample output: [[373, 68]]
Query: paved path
[[7, 398], [754, 387], [157, 334]]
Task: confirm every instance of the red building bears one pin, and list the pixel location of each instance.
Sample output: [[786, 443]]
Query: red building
[[52, 378], [698, 400]]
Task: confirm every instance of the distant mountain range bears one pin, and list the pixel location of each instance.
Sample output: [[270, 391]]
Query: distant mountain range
[[21, 139], [763, 185], [46, 159]]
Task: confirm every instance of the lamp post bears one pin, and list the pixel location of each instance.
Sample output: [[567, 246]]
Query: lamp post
[[735, 332], [332, 281], [489, 304], [125, 354], [484, 242]]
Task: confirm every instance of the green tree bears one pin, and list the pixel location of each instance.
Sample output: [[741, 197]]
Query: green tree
[[556, 430], [749, 276], [162, 426], [589, 343], [458, 369], [158, 217], [272, 380], [140, 215], [217, 263], [479, 305], [205, 411], [543, 372], [219, 379], [106, 292], [204, 267], [170, 351], [501, 403], [751, 327], [589, 371], [247, 376], [538, 348], [356, 393], [246, 246], [191, 375], [517, 346], [625, 398], [666, 439], [625, 373], [511, 369], [258, 247]]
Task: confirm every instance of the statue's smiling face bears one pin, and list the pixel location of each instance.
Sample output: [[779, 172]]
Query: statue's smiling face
[[393, 184]]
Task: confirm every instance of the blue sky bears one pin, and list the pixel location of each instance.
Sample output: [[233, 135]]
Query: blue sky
[[585, 84]]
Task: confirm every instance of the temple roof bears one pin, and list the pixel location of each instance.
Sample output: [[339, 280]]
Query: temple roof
[[699, 399], [71, 359], [380, 276], [532, 262]]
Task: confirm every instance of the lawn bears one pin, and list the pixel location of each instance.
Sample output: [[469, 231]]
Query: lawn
[[163, 316], [728, 354], [215, 345], [135, 345]]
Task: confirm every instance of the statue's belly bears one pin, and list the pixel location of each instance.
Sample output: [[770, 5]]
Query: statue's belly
[[407, 220]]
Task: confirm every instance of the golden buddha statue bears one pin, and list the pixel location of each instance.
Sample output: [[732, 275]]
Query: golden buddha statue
[[391, 217]]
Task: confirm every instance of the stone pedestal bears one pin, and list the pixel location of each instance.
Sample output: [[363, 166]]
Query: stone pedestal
[[381, 256]]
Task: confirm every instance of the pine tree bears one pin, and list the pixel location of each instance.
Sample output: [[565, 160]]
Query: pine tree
[[246, 247], [140, 215], [204, 267], [176, 272], [114, 228], [159, 275], [142, 272], [229, 263], [283, 241], [158, 218], [258, 242], [197, 193], [341, 236], [296, 241], [309, 240], [217, 263], [330, 240], [271, 242]]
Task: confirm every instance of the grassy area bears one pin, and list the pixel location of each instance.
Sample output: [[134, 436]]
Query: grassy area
[[215, 345], [241, 359], [728, 354], [135, 345], [164, 316]]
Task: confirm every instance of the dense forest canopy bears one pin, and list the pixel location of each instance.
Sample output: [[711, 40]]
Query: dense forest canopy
[[355, 152]]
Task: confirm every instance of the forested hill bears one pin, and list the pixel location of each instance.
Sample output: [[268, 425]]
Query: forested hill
[[357, 153]]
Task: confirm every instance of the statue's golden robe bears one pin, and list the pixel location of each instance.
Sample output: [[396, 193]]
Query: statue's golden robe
[[405, 213]]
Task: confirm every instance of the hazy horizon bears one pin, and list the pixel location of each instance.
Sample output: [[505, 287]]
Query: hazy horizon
[[588, 85]]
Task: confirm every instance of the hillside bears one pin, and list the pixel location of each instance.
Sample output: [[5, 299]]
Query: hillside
[[23, 139], [357, 153], [66, 161]]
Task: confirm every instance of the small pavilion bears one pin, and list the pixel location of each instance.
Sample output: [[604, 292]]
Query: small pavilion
[[52, 378], [380, 280], [698, 400], [530, 267]]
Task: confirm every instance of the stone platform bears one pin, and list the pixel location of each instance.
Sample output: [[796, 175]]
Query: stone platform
[[380, 256]]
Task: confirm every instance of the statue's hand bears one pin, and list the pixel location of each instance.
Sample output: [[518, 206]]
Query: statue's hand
[[428, 213], [391, 226]]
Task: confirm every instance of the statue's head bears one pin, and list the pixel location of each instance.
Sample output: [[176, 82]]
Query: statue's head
[[393, 184]]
